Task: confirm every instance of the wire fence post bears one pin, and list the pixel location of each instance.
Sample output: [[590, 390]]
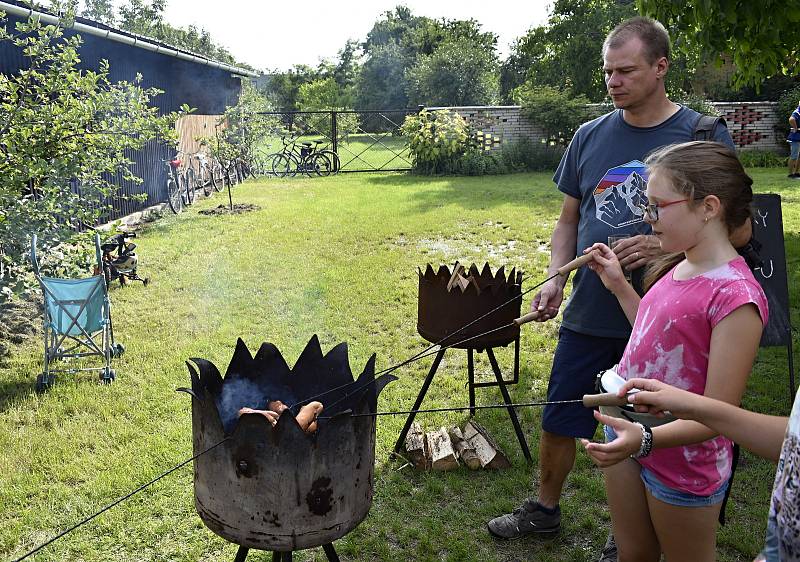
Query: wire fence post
[[334, 133]]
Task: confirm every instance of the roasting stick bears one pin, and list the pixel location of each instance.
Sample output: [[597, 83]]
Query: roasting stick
[[588, 400], [119, 501], [434, 348]]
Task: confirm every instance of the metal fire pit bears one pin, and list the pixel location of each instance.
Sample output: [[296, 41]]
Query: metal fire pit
[[278, 488], [442, 311], [446, 311]]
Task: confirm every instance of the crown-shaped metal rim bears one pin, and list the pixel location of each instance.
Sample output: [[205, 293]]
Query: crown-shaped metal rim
[[493, 282], [312, 374]]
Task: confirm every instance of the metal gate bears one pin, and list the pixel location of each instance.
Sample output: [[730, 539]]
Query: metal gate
[[364, 140]]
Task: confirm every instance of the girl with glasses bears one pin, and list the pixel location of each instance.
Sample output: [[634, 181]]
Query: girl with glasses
[[697, 328]]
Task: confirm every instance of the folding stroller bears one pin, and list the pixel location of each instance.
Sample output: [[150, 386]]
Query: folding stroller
[[77, 322]]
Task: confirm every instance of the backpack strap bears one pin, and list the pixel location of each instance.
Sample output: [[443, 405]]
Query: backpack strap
[[705, 126]]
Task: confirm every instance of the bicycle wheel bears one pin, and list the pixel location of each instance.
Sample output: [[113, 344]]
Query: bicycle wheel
[[174, 195], [321, 164], [217, 176], [334, 159], [284, 165], [204, 180], [190, 179]]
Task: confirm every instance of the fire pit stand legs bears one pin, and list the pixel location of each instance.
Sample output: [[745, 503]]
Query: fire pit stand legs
[[330, 552], [500, 382]]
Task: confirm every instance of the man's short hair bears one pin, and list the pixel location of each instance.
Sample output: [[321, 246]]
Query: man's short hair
[[649, 31]]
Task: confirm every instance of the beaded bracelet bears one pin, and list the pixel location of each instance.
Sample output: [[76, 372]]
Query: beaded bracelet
[[647, 441]]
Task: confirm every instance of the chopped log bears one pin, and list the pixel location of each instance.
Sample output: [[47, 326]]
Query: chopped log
[[457, 268], [440, 450], [464, 450], [489, 453], [415, 446]]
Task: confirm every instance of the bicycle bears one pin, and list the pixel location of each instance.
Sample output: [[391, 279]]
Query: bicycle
[[207, 176], [177, 192], [307, 159]]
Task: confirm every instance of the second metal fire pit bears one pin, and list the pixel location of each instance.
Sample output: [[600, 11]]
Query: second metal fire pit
[[445, 306], [472, 310], [278, 488]]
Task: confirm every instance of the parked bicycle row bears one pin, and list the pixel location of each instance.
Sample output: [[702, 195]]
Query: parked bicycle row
[[199, 172]]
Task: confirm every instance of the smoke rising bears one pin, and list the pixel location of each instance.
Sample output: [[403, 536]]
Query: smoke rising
[[238, 393]]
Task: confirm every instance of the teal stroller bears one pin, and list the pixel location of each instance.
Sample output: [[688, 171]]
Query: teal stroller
[[77, 322]]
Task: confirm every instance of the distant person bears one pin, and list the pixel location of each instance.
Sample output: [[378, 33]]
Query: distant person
[[697, 328], [794, 143], [603, 180]]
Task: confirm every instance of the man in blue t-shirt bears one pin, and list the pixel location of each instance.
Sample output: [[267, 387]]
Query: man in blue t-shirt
[[794, 143], [603, 181]]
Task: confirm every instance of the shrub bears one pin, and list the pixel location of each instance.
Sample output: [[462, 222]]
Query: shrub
[[557, 112], [481, 163], [526, 155], [755, 158], [437, 140]]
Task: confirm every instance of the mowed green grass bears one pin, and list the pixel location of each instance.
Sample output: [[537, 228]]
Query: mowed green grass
[[336, 257]]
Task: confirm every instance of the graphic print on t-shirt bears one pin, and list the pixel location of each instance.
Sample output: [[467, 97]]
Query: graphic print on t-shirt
[[619, 193]]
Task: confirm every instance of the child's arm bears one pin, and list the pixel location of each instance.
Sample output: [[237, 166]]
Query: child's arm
[[734, 344], [759, 433], [607, 267]]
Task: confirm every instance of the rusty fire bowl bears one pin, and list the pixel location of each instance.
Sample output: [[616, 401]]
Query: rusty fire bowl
[[442, 312], [278, 488]]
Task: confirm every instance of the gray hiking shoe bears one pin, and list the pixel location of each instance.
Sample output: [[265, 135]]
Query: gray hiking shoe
[[527, 519], [609, 552]]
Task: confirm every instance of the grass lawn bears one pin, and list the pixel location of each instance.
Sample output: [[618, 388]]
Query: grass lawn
[[336, 257]]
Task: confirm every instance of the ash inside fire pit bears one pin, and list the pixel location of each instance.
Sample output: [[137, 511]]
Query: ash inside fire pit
[[275, 487]]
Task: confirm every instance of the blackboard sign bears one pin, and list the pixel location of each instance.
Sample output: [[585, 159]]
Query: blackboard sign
[[768, 230]]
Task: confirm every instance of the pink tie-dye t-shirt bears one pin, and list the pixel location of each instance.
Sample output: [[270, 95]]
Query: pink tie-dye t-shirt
[[670, 342]]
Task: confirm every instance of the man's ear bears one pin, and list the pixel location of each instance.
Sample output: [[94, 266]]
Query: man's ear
[[662, 66]]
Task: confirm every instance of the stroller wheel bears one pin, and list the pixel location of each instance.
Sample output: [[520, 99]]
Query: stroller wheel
[[43, 383], [146, 281], [108, 376], [117, 350]]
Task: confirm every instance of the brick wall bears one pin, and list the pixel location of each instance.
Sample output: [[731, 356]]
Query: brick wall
[[752, 124]]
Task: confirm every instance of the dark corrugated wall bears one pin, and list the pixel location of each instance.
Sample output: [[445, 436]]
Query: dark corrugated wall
[[209, 90]]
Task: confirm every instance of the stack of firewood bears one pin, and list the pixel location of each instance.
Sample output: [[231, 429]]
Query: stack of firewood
[[457, 279], [445, 449]]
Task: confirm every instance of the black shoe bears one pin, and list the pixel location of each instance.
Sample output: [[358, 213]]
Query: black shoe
[[527, 519], [609, 552]]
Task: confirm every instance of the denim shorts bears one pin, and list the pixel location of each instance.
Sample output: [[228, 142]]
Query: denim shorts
[[794, 150], [670, 495]]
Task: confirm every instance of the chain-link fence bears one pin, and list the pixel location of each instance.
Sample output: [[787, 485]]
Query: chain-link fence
[[363, 141]]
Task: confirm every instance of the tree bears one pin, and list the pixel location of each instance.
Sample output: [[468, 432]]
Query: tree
[[137, 16], [99, 10], [400, 41], [566, 53], [456, 73], [64, 135], [762, 38], [382, 84]]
